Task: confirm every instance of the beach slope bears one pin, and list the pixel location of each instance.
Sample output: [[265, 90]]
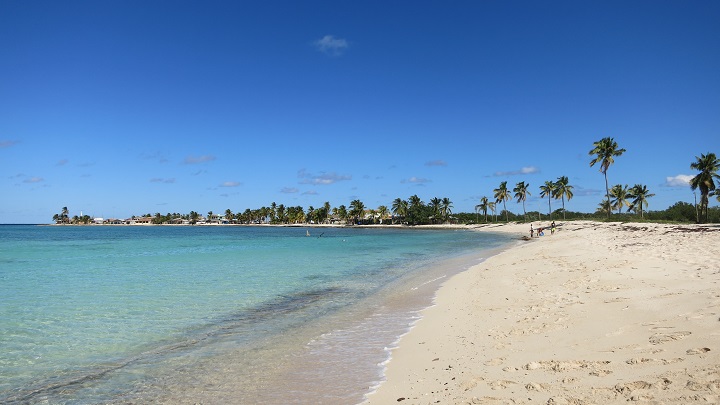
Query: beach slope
[[596, 313]]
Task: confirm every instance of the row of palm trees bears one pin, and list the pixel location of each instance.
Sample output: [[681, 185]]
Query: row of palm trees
[[606, 149], [560, 189]]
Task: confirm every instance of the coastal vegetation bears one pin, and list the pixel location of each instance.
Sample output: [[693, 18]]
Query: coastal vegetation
[[414, 211]]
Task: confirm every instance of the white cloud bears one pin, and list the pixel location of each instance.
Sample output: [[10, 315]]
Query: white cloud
[[230, 184], [62, 162], [331, 45], [310, 192], [416, 180], [289, 190], [681, 180], [34, 180], [523, 170], [191, 160], [321, 179]]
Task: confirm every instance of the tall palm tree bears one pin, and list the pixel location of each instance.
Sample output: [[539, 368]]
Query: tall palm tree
[[639, 193], [548, 189], [326, 207], [562, 190], [357, 210], [621, 195], [64, 214], [605, 150], [521, 193], [415, 208], [229, 215], [400, 207], [446, 208], [502, 194], [708, 165], [483, 206], [435, 204]]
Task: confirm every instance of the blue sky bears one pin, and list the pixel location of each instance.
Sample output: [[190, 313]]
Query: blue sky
[[121, 108]]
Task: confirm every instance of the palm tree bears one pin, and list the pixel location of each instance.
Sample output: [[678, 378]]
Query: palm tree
[[548, 189], [621, 195], [708, 165], [435, 207], [64, 215], [639, 193], [415, 208], [228, 215], [521, 193], [562, 190], [357, 210], [502, 194], [483, 206], [446, 208], [491, 205], [326, 207], [400, 208], [605, 150], [383, 212], [604, 206]]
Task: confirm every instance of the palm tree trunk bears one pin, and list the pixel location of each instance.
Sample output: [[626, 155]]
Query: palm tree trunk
[[507, 217], [607, 193], [563, 201]]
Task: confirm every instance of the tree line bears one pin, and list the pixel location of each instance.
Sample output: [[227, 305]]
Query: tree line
[[414, 211]]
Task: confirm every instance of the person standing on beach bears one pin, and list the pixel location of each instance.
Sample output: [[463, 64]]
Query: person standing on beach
[[552, 228], [531, 231]]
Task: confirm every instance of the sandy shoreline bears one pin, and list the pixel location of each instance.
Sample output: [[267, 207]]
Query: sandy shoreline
[[597, 313]]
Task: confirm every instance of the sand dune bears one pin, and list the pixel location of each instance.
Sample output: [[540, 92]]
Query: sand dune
[[597, 313]]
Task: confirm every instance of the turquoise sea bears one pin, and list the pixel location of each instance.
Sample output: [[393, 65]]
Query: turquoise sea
[[215, 314]]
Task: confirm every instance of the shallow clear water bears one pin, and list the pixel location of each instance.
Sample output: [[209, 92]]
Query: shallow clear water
[[192, 314]]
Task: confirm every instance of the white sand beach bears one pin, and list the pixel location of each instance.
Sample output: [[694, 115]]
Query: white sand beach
[[597, 313]]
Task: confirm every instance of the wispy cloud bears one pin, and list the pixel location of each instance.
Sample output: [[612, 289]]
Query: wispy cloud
[[230, 184], [6, 143], [289, 190], [321, 179], [524, 170], [161, 180], [438, 162], [416, 180], [192, 160], [310, 192], [154, 156], [62, 162], [681, 180], [331, 45], [34, 180]]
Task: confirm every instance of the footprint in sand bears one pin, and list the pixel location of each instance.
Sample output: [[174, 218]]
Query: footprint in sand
[[700, 350], [659, 338]]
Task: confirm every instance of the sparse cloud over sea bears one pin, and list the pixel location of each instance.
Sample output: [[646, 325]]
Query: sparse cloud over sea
[[161, 180], [321, 179], [192, 160], [524, 170], [331, 45], [6, 143], [438, 162], [416, 180]]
